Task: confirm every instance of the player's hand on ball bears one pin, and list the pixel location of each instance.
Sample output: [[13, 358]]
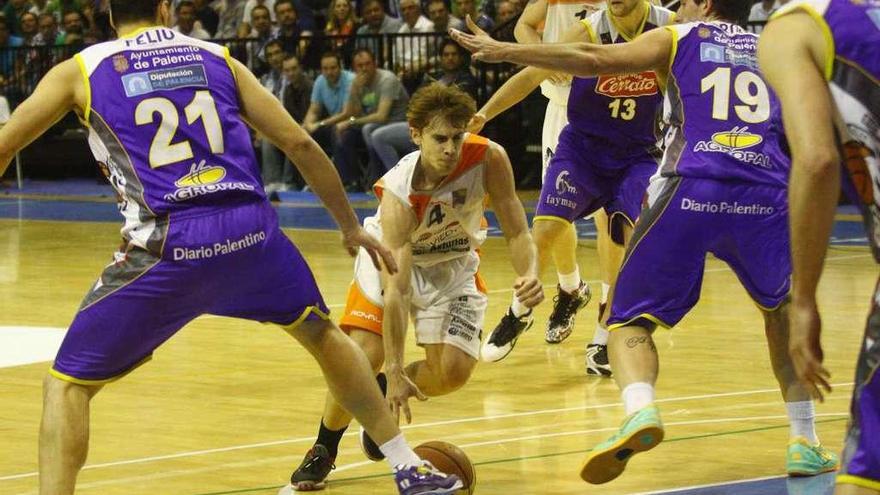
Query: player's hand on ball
[[400, 389], [529, 291], [805, 348], [360, 238], [478, 121], [483, 47]]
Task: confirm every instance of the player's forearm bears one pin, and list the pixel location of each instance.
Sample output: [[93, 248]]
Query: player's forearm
[[523, 254], [322, 177], [571, 58], [814, 189], [394, 326], [512, 92]]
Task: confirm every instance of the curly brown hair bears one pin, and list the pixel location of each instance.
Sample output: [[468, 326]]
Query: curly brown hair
[[437, 100]]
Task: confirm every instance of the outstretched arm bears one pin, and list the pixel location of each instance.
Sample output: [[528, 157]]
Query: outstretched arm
[[60, 91], [262, 111], [792, 58], [520, 85], [398, 223], [650, 51], [512, 218]]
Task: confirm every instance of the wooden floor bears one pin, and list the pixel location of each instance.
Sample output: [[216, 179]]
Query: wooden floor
[[229, 406]]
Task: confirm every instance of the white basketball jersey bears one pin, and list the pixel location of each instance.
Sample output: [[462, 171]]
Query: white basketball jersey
[[561, 14], [450, 218]]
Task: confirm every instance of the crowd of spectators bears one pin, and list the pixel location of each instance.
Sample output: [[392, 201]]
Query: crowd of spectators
[[358, 116]]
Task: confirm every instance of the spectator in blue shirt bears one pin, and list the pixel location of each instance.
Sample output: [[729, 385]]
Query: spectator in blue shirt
[[329, 95]]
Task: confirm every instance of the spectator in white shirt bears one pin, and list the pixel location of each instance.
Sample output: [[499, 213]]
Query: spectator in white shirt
[[762, 10], [411, 52], [186, 21]]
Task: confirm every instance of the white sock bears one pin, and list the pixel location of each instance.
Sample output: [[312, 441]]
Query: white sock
[[605, 289], [397, 452], [569, 282], [637, 396], [517, 308], [600, 336], [802, 416]]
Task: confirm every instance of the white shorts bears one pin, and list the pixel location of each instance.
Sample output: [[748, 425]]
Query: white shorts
[[555, 119], [448, 302]]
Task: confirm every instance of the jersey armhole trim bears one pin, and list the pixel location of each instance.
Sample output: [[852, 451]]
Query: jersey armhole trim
[[823, 26], [590, 32], [228, 57], [81, 63], [673, 51]]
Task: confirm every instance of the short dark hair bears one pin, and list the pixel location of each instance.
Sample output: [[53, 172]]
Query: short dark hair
[[261, 7], [279, 2], [332, 55], [367, 3], [363, 50], [731, 10], [185, 3], [277, 43], [134, 10], [449, 41]]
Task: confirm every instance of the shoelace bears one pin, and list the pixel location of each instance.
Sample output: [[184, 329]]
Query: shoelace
[[569, 303], [508, 329]]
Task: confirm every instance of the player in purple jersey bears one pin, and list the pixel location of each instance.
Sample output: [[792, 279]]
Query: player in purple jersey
[[720, 190], [822, 59], [603, 161], [166, 116]]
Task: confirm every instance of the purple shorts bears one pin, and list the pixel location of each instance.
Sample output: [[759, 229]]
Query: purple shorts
[[745, 225], [861, 454], [587, 174], [233, 262]]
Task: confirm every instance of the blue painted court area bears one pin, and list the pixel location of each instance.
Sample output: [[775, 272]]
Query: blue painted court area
[[93, 201], [779, 485]]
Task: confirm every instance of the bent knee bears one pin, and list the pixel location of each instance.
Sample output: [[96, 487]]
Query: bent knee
[[545, 232], [457, 371]]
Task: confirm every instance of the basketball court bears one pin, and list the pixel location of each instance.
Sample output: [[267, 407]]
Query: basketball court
[[230, 407]]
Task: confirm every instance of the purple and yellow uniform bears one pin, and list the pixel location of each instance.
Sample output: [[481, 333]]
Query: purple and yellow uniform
[[721, 188], [607, 152], [852, 33], [199, 235]]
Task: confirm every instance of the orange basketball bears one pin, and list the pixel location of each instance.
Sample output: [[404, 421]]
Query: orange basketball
[[451, 460]]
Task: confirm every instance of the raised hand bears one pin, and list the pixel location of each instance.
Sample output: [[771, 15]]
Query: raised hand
[[480, 44]]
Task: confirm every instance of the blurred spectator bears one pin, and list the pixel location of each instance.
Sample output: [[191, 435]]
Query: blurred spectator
[[13, 12], [231, 14], [375, 110], [48, 34], [411, 52], [306, 15], [297, 92], [454, 69], [341, 21], [507, 11], [293, 37], [762, 10], [260, 34], [376, 21], [276, 177], [469, 7], [207, 16], [296, 97], [29, 28], [7, 57], [186, 21], [329, 96], [60, 7], [73, 23], [439, 14]]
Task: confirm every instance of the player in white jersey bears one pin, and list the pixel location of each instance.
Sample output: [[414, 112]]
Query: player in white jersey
[[431, 217]]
